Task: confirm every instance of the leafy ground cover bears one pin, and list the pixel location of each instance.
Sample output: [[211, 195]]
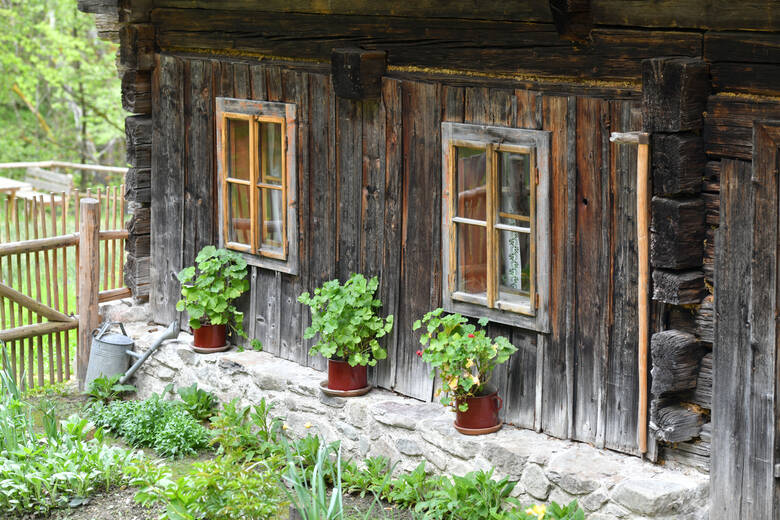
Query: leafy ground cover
[[252, 470]]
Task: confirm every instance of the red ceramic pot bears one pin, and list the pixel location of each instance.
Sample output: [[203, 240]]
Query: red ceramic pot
[[342, 376], [482, 413], [210, 336]]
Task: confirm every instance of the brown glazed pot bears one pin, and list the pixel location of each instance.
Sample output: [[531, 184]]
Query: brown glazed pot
[[341, 376], [482, 412], [210, 336]]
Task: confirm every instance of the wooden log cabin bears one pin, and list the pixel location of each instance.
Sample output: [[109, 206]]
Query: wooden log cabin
[[461, 151]]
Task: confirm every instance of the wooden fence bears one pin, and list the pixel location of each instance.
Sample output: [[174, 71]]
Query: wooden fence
[[40, 278]]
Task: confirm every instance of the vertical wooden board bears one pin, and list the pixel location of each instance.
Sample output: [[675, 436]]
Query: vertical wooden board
[[760, 433], [529, 109], [477, 105], [622, 378], [421, 229], [372, 210], [167, 183], [322, 216], [734, 357], [242, 89], [200, 183], [349, 174], [592, 275], [453, 103], [266, 295], [553, 383], [520, 395], [242, 83], [295, 89], [390, 283]]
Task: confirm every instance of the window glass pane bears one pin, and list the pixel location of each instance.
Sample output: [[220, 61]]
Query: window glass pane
[[238, 149], [514, 177], [470, 182], [271, 153], [272, 228], [472, 259], [514, 275], [239, 218]]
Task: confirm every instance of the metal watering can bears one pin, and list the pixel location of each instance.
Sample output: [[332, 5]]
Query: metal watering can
[[110, 353]]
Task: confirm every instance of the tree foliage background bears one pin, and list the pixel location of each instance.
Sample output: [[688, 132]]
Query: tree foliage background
[[59, 91]]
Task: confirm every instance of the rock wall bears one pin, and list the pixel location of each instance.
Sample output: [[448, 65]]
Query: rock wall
[[608, 485]]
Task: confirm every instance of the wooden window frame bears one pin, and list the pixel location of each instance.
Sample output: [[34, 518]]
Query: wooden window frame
[[536, 143], [257, 112]]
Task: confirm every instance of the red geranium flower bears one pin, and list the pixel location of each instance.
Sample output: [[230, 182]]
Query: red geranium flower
[[471, 335], [419, 353]]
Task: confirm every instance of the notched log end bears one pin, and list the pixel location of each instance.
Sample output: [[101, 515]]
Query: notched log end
[[357, 73]]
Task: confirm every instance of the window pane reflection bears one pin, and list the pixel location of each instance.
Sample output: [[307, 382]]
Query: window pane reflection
[[239, 218], [514, 177], [271, 153], [472, 259], [471, 182], [238, 149], [272, 218]]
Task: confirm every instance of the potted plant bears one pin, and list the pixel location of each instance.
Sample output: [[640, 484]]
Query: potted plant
[[208, 290], [464, 358], [345, 317]]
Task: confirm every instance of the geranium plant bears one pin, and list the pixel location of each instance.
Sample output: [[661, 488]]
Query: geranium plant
[[463, 356], [345, 317], [209, 288]]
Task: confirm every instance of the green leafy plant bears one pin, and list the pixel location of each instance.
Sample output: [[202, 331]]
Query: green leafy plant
[[198, 402], [462, 356], [247, 432], [373, 478], [210, 287], [309, 490], [225, 488], [345, 318], [105, 389], [474, 496], [411, 488], [61, 467], [162, 425]]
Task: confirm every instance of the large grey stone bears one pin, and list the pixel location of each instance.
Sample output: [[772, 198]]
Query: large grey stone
[[535, 482], [442, 434], [650, 496], [408, 447], [400, 415], [595, 500], [508, 457]]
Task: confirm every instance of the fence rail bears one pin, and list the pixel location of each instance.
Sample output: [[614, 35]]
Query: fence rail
[[39, 278]]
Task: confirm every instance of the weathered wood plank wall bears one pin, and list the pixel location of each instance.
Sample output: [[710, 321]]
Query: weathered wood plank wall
[[370, 182]]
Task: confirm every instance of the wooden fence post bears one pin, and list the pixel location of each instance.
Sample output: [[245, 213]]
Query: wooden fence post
[[89, 281]]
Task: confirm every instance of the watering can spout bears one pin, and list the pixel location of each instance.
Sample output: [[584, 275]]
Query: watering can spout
[[171, 332]]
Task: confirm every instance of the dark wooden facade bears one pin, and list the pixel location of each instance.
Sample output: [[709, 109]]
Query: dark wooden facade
[[369, 192]]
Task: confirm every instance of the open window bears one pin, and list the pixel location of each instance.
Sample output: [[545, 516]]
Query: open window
[[495, 223], [257, 192]]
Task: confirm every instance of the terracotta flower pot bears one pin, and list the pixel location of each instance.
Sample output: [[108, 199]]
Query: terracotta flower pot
[[342, 376], [210, 336], [481, 416]]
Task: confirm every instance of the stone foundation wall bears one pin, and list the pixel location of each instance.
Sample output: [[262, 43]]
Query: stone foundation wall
[[608, 485]]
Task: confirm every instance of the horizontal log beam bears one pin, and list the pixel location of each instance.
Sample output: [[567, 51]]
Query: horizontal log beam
[[114, 294], [675, 356], [38, 244], [38, 329], [678, 164], [675, 422], [678, 287], [677, 238], [674, 92]]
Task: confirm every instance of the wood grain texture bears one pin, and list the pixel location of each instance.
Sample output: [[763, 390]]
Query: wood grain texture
[[745, 348], [420, 284], [168, 166]]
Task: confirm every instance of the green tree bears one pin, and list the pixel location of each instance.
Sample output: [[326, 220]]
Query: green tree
[[59, 91]]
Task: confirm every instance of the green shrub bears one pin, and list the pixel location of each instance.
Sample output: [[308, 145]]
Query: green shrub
[[474, 496], [105, 389], [345, 318], [164, 426], [373, 478], [411, 488], [248, 432], [199, 403], [59, 468], [225, 487]]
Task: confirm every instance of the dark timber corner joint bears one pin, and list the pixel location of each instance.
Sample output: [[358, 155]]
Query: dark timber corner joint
[[357, 73]]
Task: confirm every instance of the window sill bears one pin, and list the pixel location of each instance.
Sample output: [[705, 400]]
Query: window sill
[[514, 319]]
